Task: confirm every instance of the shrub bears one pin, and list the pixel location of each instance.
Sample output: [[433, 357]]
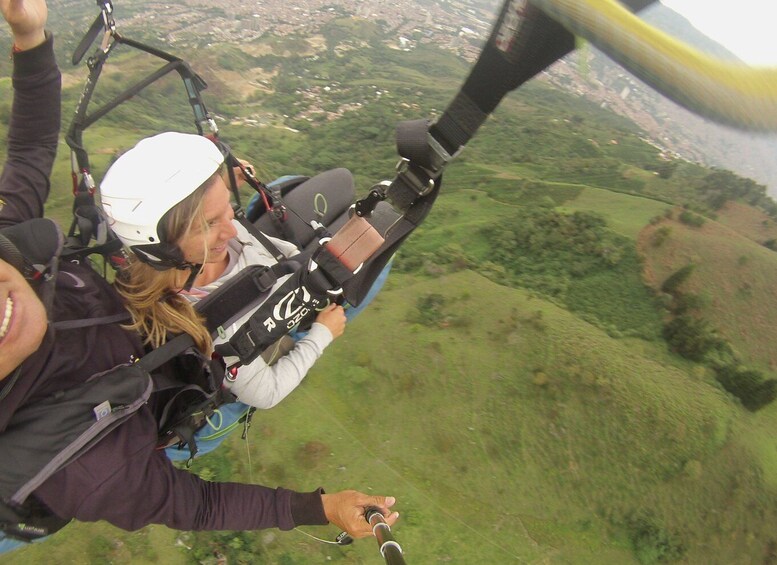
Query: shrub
[[430, 309], [661, 235], [689, 218], [651, 543], [677, 278], [686, 301], [693, 338], [748, 385]]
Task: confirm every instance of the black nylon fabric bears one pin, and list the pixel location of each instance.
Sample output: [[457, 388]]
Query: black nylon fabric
[[523, 42], [38, 432], [242, 292], [32, 521], [293, 304]]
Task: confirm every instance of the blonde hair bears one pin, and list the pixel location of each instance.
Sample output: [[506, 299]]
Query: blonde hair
[[152, 297]]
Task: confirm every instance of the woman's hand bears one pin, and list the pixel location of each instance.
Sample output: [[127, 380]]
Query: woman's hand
[[27, 20], [240, 175], [333, 317]]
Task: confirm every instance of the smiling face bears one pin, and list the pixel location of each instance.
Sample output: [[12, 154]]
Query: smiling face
[[22, 319], [206, 241]]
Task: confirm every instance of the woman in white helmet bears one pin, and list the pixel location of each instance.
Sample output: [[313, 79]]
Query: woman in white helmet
[[167, 202]]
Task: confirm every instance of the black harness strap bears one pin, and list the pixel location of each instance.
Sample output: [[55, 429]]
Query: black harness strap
[[242, 292], [161, 355], [298, 297], [261, 237], [87, 322], [271, 196], [523, 42]]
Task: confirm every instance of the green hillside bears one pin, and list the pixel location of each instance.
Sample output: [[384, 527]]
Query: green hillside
[[733, 275], [511, 386]]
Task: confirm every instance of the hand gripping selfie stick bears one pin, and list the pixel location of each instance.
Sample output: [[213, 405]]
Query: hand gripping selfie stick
[[389, 548]]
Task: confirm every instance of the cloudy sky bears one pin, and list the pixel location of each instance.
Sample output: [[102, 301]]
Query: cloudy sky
[[744, 27]]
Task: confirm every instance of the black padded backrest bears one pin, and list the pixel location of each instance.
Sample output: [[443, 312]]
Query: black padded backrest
[[324, 198]]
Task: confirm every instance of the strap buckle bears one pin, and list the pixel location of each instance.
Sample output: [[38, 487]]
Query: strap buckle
[[245, 346], [264, 279], [439, 155], [415, 177]]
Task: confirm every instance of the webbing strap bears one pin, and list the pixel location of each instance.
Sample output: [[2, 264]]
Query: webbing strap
[[99, 23], [459, 123], [87, 322], [251, 286], [272, 197], [261, 237], [161, 355], [523, 42]]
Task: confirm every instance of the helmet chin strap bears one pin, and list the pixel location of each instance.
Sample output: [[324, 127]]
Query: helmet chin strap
[[195, 270]]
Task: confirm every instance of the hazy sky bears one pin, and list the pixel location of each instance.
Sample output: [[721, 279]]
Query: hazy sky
[[744, 27]]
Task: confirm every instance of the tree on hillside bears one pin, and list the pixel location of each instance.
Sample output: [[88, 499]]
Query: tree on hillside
[[748, 385], [720, 186], [693, 338], [691, 219], [665, 169], [674, 280]]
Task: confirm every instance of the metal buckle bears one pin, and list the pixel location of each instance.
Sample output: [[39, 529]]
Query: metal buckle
[[442, 157], [420, 186]]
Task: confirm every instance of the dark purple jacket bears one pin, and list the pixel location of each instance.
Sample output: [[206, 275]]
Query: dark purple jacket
[[123, 479]]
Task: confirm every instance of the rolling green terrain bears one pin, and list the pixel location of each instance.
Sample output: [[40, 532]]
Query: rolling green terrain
[[511, 386]]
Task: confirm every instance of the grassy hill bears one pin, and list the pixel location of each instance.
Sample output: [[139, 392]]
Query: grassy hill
[[734, 276], [510, 386]]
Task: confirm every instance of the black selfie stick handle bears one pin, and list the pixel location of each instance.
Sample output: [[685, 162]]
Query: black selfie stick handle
[[389, 548]]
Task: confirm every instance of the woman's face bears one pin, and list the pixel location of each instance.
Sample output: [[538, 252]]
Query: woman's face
[[218, 216], [22, 319]]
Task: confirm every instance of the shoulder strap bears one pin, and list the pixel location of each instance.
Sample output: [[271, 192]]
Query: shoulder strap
[[164, 353], [241, 293], [34, 248], [87, 322], [263, 239]]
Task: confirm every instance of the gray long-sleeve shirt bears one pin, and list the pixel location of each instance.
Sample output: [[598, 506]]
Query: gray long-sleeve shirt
[[261, 384]]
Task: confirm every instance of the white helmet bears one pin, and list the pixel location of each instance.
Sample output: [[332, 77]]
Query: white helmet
[[146, 182]]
